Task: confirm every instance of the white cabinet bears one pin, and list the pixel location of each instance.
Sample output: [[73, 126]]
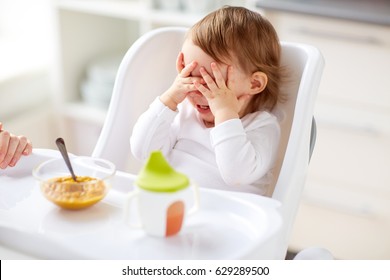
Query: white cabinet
[[346, 202]]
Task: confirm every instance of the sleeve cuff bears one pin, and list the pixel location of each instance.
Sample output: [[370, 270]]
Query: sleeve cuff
[[161, 111]]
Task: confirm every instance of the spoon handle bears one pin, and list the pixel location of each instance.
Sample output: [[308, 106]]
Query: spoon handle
[[61, 146]]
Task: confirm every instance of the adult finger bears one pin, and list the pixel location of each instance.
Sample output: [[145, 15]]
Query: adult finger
[[12, 146], [4, 143], [21, 146], [28, 149]]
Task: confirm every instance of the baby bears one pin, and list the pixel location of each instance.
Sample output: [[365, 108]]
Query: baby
[[214, 123]]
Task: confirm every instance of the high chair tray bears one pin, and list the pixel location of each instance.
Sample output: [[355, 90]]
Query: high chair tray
[[227, 226]]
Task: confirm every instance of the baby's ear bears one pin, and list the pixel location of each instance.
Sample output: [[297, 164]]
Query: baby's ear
[[259, 81]]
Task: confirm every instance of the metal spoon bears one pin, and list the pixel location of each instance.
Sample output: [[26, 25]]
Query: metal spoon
[[61, 146]]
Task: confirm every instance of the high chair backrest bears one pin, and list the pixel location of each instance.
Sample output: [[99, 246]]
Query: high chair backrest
[[304, 65], [148, 68]]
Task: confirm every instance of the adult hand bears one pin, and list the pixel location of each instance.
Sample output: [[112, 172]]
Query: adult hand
[[12, 147]]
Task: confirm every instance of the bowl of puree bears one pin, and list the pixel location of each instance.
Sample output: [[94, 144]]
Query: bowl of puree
[[93, 181]]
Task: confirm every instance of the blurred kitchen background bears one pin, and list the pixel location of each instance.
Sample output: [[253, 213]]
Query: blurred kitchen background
[[58, 61]]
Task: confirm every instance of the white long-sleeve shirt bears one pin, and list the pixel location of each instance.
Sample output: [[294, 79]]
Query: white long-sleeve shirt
[[236, 155]]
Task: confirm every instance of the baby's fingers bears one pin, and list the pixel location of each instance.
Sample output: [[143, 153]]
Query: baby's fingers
[[208, 79], [203, 90], [186, 71], [219, 80]]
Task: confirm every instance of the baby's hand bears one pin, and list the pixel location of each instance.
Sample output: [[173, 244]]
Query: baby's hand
[[223, 101], [183, 84], [12, 147]]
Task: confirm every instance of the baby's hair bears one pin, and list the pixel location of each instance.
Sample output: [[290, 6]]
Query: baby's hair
[[246, 38]]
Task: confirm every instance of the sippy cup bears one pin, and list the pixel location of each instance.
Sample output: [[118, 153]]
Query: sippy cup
[[164, 197]]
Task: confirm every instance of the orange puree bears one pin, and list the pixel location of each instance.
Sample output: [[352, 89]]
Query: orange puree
[[67, 193]]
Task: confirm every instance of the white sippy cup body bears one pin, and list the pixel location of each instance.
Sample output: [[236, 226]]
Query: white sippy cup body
[[164, 197]]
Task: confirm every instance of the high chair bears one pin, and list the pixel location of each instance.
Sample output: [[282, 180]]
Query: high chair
[[148, 69]]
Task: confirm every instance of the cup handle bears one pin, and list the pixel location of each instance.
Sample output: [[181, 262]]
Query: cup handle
[[195, 207], [131, 196]]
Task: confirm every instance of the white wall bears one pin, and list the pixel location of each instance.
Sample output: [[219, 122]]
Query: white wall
[[26, 59]]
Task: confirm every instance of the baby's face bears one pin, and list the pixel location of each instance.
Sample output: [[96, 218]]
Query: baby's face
[[194, 53]]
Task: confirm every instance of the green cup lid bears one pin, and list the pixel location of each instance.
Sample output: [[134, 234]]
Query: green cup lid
[[158, 176]]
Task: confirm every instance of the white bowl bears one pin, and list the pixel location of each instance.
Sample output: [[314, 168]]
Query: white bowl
[[94, 178]]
